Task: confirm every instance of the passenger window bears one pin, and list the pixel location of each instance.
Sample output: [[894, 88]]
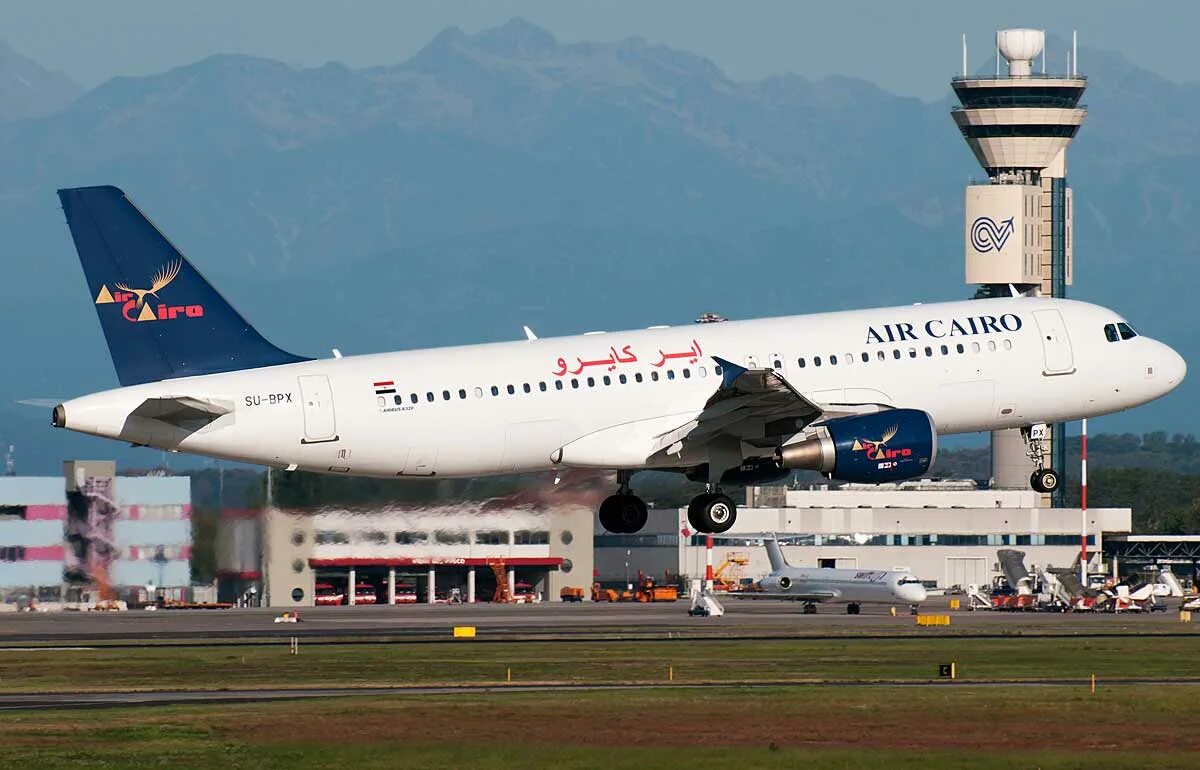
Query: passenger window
[[558, 385], [462, 394], [654, 376], [800, 362], [974, 347], [591, 381], [526, 387], [495, 391], [1008, 344], [607, 380], [574, 383], [511, 390], [896, 353], [670, 374], [716, 368], [478, 392], [637, 376], [703, 372], [687, 373], [928, 351], [396, 398], [414, 398], [945, 350], [912, 352], [960, 348], [542, 386], [882, 356], [622, 379], [833, 360], [866, 358], [991, 346], [816, 360], [429, 396], [778, 364], [1110, 333], [445, 395]]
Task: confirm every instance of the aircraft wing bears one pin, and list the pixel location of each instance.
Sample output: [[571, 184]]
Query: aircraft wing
[[754, 405]]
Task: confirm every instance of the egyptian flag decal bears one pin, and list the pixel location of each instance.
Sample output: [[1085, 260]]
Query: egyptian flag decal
[[385, 387]]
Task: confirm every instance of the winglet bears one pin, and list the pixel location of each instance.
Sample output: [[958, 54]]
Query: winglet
[[729, 371]]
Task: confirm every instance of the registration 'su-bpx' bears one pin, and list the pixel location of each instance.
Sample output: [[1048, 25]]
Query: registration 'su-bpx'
[[859, 395]]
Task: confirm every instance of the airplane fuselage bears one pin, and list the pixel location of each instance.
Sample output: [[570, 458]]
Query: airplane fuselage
[[532, 405]]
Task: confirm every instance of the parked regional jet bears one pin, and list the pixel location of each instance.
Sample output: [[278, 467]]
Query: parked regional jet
[[859, 395], [854, 587]]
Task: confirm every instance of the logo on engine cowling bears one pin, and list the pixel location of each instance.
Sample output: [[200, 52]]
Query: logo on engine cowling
[[878, 449]]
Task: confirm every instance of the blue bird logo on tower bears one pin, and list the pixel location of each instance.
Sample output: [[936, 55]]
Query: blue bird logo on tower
[[987, 236]]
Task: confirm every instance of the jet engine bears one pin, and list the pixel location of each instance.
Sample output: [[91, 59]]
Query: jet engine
[[873, 448]]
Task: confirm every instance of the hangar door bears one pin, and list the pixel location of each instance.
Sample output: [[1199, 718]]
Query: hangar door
[[964, 570]]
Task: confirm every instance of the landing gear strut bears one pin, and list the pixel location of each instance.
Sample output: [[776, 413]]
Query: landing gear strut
[[623, 513], [1044, 480], [712, 512]]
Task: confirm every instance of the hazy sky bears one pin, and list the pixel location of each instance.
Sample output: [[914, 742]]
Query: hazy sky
[[910, 48]]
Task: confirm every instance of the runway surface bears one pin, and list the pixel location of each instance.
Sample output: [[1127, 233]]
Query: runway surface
[[553, 620], [59, 700]]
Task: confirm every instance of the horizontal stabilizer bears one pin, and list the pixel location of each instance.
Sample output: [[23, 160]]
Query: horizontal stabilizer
[[181, 411]]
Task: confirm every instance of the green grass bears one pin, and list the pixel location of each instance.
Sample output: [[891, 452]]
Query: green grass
[[692, 661], [801, 726]]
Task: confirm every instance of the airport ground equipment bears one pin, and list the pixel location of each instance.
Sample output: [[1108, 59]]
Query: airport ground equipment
[[503, 595], [728, 576], [571, 594], [706, 605], [649, 591]]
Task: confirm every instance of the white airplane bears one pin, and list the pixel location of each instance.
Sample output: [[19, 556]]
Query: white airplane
[[859, 395], [854, 587]]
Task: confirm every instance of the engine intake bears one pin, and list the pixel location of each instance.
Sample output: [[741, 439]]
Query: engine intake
[[870, 448]]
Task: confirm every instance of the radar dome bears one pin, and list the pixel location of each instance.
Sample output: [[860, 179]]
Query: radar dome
[[1020, 47]]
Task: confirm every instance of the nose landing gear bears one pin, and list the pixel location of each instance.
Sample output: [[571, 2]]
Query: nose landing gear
[[1044, 480]]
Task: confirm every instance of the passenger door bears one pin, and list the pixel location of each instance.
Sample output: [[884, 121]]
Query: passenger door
[[320, 423], [1056, 345]]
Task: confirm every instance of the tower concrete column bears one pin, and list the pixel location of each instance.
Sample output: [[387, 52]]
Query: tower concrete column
[[470, 585], [431, 586], [391, 586], [351, 581]]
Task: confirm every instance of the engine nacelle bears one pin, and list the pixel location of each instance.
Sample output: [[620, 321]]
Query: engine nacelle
[[749, 473], [892, 445]]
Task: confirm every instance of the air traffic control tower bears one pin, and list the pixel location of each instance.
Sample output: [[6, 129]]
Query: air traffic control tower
[[1018, 223]]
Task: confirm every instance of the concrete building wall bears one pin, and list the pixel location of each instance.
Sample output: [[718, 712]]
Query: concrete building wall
[[288, 579], [571, 539]]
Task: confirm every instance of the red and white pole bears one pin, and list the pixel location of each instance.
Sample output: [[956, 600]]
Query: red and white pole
[[1083, 505], [708, 570]]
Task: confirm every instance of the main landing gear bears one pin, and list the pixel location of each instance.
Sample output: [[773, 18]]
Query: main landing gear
[[623, 513], [1044, 480], [712, 512]]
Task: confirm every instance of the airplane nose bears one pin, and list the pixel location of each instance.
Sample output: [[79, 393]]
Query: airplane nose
[[1169, 368], [913, 593]]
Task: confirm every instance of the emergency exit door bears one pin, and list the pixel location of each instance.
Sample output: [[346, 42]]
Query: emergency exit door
[[1056, 345], [317, 401]]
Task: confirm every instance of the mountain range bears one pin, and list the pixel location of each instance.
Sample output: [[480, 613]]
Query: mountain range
[[506, 178]]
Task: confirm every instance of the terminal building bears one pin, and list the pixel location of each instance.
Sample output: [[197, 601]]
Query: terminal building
[[396, 555], [944, 532], [93, 533]]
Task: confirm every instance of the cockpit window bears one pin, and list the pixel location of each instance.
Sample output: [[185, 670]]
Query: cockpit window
[[908, 581], [1110, 333], [1127, 332]]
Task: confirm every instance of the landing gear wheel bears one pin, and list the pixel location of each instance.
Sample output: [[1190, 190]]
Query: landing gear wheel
[[809, 609], [712, 513], [853, 608], [623, 514], [1044, 480]]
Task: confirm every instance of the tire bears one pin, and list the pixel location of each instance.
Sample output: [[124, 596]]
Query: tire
[[852, 608], [1045, 480], [623, 514], [714, 513]]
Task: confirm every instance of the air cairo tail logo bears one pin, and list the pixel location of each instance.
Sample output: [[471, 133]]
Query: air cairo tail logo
[[135, 308], [878, 450]]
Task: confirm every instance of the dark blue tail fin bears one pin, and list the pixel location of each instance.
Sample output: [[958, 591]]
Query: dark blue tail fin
[[160, 317]]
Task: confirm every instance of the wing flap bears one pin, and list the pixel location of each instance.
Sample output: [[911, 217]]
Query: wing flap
[[180, 411]]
